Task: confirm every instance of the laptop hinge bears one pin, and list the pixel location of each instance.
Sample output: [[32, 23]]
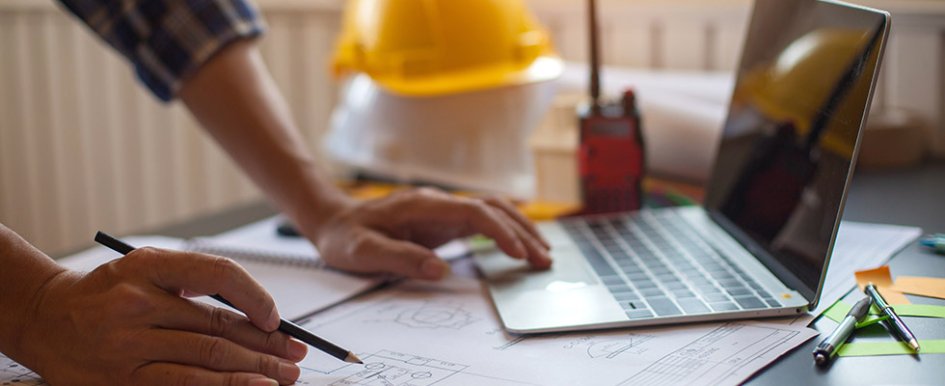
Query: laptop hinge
[[779, 270]]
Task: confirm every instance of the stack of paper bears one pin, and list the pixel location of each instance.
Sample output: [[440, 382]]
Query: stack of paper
[[860, 246], [261, 236], [447, 333], [299, 285]]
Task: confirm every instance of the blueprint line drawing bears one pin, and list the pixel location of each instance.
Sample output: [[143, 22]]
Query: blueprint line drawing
[[413, 334], [710, 358], [612, 348], [322, 369], [430, 315], [392, 368], [509, 341], [389, 368]]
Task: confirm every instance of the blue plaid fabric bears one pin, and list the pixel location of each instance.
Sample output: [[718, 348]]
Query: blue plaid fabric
[[167, 40]]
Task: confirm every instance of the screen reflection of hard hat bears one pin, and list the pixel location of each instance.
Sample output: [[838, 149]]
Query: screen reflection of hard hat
[[444, 92], [796, 86]]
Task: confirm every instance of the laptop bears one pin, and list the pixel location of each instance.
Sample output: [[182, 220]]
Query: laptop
[[761, 243]]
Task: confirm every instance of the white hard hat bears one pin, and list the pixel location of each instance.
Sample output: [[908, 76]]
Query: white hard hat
[[472, 140]]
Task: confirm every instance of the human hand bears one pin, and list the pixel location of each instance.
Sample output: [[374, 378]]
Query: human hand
[[396, 234], [126, 323]]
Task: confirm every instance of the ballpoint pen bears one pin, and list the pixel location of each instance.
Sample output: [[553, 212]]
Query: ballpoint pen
[[829, 346], [894, 322], [285, 326]]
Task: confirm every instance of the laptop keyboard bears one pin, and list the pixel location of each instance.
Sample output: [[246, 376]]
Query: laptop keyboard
[[655, 264]]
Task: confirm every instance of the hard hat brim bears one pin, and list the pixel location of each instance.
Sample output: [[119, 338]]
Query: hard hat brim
[[542, 69]]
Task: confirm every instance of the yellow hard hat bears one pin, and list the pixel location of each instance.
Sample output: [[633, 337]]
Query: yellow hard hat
[[796, 87], [434, 47]]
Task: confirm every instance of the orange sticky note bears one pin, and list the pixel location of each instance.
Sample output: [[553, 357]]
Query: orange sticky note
[[881, 278], [925, 286]]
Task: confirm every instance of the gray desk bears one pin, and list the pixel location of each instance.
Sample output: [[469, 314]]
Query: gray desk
[[911, 197]]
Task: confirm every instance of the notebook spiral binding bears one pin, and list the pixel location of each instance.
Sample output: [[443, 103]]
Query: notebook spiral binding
[[255, 255]]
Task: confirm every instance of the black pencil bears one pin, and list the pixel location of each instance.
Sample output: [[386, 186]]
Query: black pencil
[[285, 326]]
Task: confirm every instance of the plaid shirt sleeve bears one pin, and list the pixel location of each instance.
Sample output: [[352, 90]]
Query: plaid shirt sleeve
[[167, 40]]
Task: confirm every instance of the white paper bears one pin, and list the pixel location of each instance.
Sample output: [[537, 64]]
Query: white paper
[[860, 246], [262, 236], [284, 265], [297, 290], [300, 291], [447, 334], [91, 258], [12, 373], [288, 267]]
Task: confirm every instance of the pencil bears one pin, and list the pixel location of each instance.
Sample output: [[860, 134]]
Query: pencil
[[285, 326]]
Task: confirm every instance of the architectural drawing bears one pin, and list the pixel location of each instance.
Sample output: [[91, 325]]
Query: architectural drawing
[[14, 374], [511, 342], [429, 315], [388, 368], [324, 367], [714, 357], [611, 348], [450, 336], [391, 368]]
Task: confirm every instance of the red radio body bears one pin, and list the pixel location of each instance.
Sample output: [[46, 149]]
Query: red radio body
[[611, 157]]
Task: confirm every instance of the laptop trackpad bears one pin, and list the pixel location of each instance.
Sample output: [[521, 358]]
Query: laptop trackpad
[[567, 272]]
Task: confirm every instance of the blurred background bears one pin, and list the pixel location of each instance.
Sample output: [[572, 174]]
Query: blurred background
[[84, 147]]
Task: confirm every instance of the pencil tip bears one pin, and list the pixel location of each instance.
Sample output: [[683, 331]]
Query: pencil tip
[[351, 358]]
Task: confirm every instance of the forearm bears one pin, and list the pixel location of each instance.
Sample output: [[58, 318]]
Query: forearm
[[25, 271], [125, 323], [237, 102]]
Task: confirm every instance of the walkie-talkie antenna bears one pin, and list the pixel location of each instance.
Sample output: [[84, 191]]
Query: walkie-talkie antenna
[[595, 71]]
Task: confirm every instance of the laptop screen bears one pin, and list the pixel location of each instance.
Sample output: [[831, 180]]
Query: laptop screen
[[791, 136]]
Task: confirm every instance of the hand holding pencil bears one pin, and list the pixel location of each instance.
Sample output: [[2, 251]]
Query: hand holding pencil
[[125, 323], [283, 325]]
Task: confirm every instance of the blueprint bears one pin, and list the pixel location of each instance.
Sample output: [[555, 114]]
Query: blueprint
[[447, 334]]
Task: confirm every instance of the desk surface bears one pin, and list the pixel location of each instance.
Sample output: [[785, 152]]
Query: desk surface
[[911, 197], [907, 197]]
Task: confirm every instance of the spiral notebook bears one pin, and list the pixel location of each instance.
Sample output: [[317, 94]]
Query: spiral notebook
[[301, 284], [291, 268]]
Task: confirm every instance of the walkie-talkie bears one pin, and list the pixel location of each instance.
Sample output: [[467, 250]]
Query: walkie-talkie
[[610, 158]]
